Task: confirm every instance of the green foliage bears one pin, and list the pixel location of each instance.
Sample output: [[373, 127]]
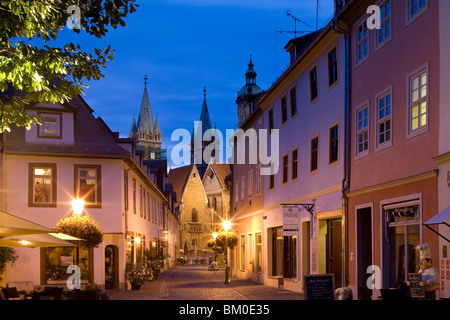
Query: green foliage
[[81, 227], [7, 255], [219, 244], [34, 69], [137, 272]]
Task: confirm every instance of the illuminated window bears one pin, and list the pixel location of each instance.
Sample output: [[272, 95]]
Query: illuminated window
[[88, 185], [51, 126], [258, 252], [242, 264], [42, 185], [57, 259], [418, 109]]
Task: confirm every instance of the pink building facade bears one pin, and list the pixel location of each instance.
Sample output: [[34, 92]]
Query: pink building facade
[[395, 106]]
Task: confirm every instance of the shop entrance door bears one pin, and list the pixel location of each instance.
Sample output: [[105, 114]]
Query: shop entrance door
[[334, 250], [364, 244], [111, 267]]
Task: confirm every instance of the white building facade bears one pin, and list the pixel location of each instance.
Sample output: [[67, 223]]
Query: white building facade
[[73, 155]]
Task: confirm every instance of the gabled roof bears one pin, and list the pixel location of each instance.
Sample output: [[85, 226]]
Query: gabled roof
[[178, 178], [221, 170], [91, 138]]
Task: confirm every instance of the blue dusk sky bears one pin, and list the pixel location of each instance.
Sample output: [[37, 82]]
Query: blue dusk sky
[[186, 45]]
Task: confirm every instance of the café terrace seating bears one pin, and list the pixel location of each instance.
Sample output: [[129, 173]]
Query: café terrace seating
[[9, 293]]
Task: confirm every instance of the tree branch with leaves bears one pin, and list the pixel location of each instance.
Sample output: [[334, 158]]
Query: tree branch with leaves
[[50, 74]]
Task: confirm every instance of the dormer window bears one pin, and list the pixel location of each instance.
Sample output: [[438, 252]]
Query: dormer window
[[51, 126], [293, 56]]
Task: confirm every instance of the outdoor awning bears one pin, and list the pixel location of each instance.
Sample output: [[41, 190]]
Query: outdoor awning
[[440, 218], [64, 236], [35, 241], [11, 225]]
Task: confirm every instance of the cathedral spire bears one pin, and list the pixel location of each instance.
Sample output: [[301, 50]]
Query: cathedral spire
[[133, 126], [145, 119], [204, 115], [157, 129]]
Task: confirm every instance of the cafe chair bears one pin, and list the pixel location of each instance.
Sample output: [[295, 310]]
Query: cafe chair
[[10, 293]]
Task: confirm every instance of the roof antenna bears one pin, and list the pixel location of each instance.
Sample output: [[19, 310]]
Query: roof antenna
[[295, 25], [317, 14]]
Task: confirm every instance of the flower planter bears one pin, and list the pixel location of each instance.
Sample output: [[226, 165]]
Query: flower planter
[[135, 286]]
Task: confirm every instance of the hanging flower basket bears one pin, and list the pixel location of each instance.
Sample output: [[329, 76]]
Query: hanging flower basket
[[81, 227], [219, 244]]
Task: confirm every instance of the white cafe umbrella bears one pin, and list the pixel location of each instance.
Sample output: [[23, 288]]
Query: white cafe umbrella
[[442, 217], [11, 225], [37, 240]]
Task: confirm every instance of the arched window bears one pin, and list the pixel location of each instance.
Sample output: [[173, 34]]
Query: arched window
[[194, 215]]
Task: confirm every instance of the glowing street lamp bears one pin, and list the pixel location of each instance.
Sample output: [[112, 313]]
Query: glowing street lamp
[[77, 206], [226, 227]]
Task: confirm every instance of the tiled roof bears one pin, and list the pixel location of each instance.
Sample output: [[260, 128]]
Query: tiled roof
[[222, 170], [90, 138], [178, 178]]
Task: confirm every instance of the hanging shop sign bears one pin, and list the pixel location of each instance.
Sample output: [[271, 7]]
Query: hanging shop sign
[[291, 221]]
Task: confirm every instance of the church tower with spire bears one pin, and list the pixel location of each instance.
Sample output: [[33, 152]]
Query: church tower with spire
[[205, 123], [146, 132], [248, 95]]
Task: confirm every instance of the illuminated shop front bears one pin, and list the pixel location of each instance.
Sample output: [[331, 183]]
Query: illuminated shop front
[[57, 259]]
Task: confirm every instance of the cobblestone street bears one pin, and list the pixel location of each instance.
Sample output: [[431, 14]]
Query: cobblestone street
[[195, 282]]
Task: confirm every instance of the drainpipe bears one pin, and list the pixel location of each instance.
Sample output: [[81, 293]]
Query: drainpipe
[[347, 150], [126, 229]]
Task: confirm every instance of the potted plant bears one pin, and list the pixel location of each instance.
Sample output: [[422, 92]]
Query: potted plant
[[137, 274], [91, 292], [7, 255], [153, 264]]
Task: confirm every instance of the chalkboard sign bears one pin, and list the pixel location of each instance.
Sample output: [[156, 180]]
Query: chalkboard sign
[[319, 287], [417, 291]]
